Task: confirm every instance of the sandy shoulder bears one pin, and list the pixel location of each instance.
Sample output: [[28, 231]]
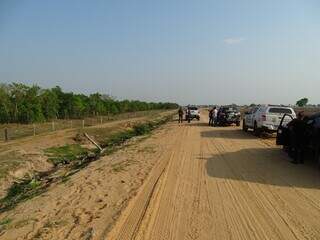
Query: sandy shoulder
[[87, 205]]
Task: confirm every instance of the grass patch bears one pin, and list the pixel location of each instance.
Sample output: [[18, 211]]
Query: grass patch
[[139, 129], [4, 224], [65, 154], [5, 221], [21, 191]]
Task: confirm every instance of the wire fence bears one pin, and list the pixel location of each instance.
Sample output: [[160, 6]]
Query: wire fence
[[15, 131]]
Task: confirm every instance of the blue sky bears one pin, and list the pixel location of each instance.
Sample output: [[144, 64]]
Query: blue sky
[[198, 52]]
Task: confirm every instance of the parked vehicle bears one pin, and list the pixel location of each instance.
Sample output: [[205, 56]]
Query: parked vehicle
[[309, 136], [266, 118], [192, 112], [228, 115]]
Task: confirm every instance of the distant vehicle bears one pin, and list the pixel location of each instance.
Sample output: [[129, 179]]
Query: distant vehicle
[[266, 118], [193, 113], [228, 115], [310, 135]]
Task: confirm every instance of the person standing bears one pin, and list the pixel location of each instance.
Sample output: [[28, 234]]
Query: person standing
[[215, 116], [297, 129], [189, 115], [180, 112], [211, 117]]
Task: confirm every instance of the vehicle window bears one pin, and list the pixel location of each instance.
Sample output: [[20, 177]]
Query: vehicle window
[[286, 120], [280, 110], [193, 108]]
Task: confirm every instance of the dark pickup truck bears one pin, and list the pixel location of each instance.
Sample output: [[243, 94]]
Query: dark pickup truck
[[228, 115]]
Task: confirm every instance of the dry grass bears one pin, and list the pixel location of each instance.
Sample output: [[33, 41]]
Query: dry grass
[[307, 110], [9, 161], [16, 131]]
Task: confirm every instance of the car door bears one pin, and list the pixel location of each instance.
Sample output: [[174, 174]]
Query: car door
[[283, 134], [251, 116], [313, 132]]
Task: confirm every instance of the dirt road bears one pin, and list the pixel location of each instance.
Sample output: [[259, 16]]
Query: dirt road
[[221, 183]]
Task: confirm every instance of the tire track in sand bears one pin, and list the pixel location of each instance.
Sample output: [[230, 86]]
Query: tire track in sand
[[220, 183]]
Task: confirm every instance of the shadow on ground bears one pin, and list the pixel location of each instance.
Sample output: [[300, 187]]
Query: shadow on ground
[[233, 133], [269, 166], [227, 132]]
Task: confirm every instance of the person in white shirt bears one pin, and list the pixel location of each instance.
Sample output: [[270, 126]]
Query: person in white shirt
[[215, 116]]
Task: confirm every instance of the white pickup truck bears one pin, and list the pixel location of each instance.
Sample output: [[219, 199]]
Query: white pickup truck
[[265, 118], [194, 113]]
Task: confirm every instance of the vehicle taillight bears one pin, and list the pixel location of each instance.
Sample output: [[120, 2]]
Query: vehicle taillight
[[263, 118]]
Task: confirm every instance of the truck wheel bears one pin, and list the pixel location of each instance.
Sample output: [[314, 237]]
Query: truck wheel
[[238, 124], [256, 130]]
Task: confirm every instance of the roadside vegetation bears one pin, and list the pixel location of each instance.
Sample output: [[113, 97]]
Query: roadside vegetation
[[20, 103], [71, 158], [66, 154]]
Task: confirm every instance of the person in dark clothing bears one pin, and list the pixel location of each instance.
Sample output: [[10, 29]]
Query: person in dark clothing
[[180, 112], [211, 117], [188, 115], [297, 129]]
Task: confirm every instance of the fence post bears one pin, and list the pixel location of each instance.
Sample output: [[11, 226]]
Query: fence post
[[34, 129], [53, 126], [71, 123], [100, 120], [82, 123], [6, 134]]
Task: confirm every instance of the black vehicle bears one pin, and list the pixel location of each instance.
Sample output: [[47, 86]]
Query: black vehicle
[[228, 115], [309, 135]]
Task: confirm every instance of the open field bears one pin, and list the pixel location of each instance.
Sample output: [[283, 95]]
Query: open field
[[187, 181], [16, 131], [307, 110]]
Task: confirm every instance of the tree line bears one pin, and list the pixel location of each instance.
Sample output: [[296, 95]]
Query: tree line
[[20, 103]]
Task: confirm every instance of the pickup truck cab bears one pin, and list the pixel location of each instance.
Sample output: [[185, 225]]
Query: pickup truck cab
[[266, 118]]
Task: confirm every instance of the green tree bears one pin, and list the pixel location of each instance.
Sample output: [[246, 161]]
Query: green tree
[[25, 104], [96, 104], [49, 104], [5, 104], [78, 107], [302, 102]]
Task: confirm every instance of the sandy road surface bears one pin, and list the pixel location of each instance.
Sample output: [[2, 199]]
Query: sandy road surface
[[221, 183]]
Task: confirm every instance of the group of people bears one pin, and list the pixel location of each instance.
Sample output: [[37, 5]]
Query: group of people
[[213, 115]]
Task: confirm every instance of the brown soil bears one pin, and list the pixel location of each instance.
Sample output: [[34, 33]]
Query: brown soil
[[222, 183], [187, 181], [26, 155]]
